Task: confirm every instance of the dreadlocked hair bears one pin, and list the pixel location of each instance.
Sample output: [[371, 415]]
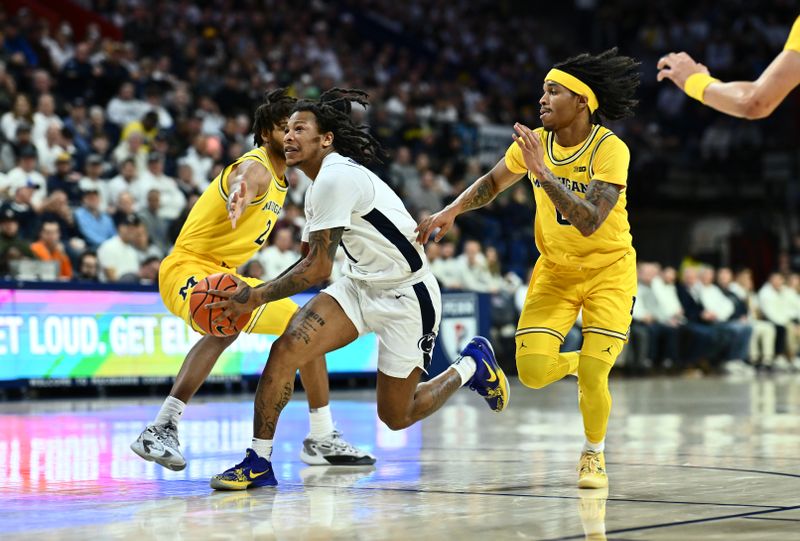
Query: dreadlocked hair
[[612, 77], [332, 111], [276, 107]]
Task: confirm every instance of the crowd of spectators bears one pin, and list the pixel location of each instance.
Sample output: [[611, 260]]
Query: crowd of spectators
[[106, 143], [714, 319]]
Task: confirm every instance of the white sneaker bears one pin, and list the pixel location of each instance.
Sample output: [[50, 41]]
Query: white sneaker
[[159, 444], [731, 368], [781, 364], [333, 450]]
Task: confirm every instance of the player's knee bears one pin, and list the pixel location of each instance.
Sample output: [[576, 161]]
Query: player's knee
[[533, 370], [394, 419], [592, 374], [286, 350]]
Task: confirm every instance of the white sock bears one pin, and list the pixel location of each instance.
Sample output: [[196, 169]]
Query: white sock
[[465, 366], [321, 421], [263, 448], [171, 411], [594, 447]]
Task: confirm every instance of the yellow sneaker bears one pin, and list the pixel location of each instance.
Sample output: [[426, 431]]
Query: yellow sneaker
[[592, 470]]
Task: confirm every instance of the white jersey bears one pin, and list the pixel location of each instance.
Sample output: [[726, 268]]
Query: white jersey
[[379, 239]]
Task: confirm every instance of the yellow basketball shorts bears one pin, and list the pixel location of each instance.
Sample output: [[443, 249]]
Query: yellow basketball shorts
[[180, 273], [557, 293]]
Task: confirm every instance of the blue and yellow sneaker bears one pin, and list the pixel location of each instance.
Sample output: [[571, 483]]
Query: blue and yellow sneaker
[[489, 380], [253, 471]]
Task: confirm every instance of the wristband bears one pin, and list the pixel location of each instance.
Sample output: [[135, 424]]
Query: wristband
[[696, 85]]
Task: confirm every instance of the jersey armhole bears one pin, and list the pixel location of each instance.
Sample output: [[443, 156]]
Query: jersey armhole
[[607, 135], [223, 181]]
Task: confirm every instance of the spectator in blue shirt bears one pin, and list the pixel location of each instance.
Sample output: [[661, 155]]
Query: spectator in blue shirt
[[94, 224], [15, 42]]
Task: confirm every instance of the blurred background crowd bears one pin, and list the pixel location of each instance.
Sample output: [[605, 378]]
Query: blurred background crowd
[[115, 116]]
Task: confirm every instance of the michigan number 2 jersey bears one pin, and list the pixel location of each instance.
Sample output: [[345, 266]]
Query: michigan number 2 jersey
[[602, 156], [208, 234]]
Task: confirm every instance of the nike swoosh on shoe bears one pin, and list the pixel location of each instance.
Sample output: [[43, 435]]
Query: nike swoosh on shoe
[[492, 376]]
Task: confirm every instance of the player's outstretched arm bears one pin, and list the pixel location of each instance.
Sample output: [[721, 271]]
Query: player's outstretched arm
[[586, 214], [250, 180], [480, 193], [743, 99], [311, 270]]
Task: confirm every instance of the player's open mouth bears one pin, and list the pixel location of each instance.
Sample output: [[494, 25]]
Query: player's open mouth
[[289, 150], [543, 112]]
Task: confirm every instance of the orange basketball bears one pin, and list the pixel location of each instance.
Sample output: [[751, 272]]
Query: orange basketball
[[200, 297]]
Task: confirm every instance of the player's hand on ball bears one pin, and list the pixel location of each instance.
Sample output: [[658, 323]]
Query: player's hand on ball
[[237, 302], [677, 67], [442, 220], [532, 150]]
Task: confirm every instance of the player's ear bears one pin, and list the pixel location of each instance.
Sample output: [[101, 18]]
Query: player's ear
[[327, 139]]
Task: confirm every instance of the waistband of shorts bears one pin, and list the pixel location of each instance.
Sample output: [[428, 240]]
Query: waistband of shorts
[[585, 268], [394, 284]]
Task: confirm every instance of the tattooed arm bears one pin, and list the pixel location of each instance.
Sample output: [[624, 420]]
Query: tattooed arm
[[481, 193], [585, 214], [312, 269]]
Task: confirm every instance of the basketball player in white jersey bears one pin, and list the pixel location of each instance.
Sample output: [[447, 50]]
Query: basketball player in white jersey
[[387, 288]]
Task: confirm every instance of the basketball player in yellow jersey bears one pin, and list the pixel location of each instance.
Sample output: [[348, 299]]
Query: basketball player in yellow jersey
[[744, 99], [225, 228], [579, 172]]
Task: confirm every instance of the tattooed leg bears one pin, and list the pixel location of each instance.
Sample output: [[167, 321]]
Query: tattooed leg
[[317, 328]]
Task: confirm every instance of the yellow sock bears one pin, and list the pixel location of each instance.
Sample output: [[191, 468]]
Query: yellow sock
[[594, 397]]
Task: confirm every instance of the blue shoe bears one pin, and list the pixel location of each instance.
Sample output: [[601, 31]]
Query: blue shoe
[[253, 471], [489, 380]]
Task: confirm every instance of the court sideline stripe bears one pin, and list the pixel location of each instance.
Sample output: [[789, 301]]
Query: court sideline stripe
[[717, 468], [769, 508], [774, 518], [680, 523]]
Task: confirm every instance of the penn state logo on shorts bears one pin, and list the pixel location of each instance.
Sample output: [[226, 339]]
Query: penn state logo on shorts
[[425, 343]]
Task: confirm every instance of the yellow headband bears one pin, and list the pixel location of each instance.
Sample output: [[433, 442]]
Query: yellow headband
[[574, 84]]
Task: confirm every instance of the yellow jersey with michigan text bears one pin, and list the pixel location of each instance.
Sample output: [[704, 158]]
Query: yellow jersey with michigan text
[[602, 156], [208, 234]]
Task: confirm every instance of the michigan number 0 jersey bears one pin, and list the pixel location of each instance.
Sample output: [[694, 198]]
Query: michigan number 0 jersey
[[602, 156], [207, 233]]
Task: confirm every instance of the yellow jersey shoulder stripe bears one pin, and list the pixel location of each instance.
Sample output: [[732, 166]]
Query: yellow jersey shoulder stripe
[[280, 182], [258, 155], [280, 186], [594, 151], [221, 181], [570, 159]]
